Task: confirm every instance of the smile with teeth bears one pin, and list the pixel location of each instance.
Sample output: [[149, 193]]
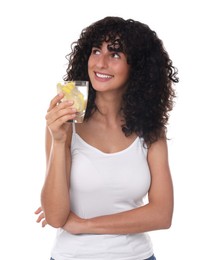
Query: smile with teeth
[[103, 76]]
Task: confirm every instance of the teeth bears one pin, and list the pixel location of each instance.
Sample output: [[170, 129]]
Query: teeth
[[103, 76]]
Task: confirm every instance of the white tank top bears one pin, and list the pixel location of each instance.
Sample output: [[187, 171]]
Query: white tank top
[[103, 184]]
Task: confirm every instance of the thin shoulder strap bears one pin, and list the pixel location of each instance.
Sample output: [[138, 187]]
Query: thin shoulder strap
[[74, 127], [73, 134]]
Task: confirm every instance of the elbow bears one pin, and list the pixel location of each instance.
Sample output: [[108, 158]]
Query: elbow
[[55, 225], [55, 215], [56, 219], [166, 221], [55, 222], [167, 224]]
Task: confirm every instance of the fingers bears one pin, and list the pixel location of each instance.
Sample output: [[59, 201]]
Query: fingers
[[60, 112], [57, 99], [38, 210], [63, 111], [44, 223], [40, 217]]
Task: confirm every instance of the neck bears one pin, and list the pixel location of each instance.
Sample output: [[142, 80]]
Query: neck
[[109, 107]]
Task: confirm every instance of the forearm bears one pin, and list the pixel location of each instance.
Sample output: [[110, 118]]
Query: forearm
[[147, 218], [55, 193], [143, 219]]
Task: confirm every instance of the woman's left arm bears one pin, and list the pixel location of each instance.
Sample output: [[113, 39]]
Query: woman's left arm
[[157, 214]]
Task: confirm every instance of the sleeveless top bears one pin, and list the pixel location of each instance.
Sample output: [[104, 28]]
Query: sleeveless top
[[103, 184]]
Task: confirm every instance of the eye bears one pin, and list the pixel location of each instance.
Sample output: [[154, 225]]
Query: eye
[[115, 55], [95, 51]]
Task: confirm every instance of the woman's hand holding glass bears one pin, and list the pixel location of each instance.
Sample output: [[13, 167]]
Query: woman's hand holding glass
[[57, 117]]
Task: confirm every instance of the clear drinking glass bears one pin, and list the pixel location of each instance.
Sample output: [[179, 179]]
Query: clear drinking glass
[[78, 92]]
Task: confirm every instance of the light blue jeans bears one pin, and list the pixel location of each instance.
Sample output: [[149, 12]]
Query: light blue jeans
[[150, 258]]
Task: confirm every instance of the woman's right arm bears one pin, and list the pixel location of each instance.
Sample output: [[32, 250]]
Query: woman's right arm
[[55, 198]]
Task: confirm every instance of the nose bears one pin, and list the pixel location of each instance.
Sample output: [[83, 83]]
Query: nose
[[102, 61]]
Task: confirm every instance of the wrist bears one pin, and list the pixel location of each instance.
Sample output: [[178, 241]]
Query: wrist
[[59, 138], [87, 226], [56, 142], [92, 226]]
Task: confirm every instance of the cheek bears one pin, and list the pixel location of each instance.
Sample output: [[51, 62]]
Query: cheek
[[124, 72], [89, 66], [90, 62]]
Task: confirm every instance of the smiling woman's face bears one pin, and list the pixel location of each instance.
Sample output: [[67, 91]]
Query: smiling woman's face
[[108, 68]]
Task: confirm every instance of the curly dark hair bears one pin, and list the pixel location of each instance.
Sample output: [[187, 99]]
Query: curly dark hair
[[149, 96]]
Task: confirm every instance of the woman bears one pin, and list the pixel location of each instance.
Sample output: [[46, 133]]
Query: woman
[[100, 171]]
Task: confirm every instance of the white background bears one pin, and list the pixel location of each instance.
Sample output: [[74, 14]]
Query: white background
[[35, 37]]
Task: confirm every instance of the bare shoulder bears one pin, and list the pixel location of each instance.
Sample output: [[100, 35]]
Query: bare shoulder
[[158, 151]]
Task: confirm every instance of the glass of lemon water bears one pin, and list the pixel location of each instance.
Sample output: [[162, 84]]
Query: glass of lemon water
[[76, 91]]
